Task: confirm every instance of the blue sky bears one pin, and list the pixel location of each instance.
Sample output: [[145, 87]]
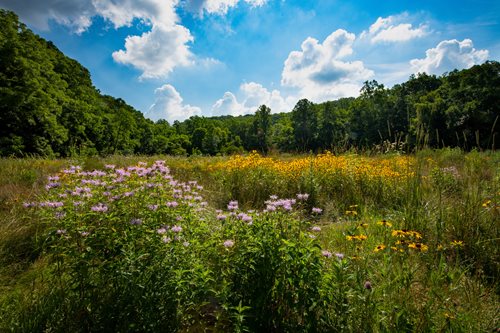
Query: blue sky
[[172, 59]]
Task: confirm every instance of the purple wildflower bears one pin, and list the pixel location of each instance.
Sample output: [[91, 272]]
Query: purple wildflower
[[303, 196], [316, 228], [271, 208], [52, 204], [176, 228], [136, 221], [339, 256], [228, 243], [60, 215], [153, 207], [166, 239], [317, 210], [100, 207], [326, 253], [246, 218], [221, 217], [172, 204], [233, 205], [52, 185]]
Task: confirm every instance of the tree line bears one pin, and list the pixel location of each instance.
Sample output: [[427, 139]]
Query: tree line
[[49, 107]]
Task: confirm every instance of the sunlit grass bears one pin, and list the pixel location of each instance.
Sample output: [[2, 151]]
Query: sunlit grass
[[251, 243]]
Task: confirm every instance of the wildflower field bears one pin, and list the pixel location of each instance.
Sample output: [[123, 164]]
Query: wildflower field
[[325, 243]]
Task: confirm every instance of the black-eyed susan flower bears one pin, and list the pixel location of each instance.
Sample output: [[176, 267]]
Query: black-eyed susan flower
[[457, 243], [418, 246], [357, 238], [486, 203], [448, 315], [415, 234], [385, 223], [379, 248], [398, 233]]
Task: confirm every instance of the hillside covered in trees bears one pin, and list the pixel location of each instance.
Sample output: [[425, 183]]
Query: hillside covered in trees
[[49, 107]]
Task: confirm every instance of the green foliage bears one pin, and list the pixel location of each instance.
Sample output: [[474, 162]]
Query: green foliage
[[68, 263], [49, 107]]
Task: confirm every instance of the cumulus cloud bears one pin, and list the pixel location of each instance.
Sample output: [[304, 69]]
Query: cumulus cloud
[[228, 105], [169, 105], [75, 14], [393, 29], [157, 52], [449, 55], [219, 7], [320, 72], [252, 95]]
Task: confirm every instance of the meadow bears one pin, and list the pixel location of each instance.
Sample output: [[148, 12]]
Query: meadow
[[311, 243]]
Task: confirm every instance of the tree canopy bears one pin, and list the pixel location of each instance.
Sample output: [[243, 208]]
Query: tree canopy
[[49, 107]]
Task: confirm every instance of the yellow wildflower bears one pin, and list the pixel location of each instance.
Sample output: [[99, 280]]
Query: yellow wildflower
[[385, 223], [418, 246], [379, 248], [398, 233]]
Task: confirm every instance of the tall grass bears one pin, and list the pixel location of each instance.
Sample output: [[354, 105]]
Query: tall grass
[[399, 244]]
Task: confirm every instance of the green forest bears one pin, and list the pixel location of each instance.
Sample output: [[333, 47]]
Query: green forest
[[49, 107]]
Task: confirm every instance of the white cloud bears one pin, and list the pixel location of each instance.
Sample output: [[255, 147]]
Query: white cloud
[[169, 105], [219, 7], [75, 14], [392, 29], [319, 72], [157, 52], [449, 55], [252, 96], [228, 105]]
